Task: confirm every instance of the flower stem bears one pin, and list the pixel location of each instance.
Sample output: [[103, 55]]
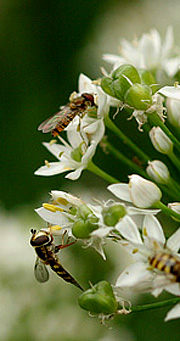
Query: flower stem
[[96, 170], [174, 160], [110, 125], [155, 120], [124, 159], [155, 305], [166, 210]]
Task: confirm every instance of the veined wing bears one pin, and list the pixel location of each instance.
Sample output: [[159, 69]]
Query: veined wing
[[60, 119], [40, 271]]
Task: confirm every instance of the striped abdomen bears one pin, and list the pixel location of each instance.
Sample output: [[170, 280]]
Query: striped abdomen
[[60, 271], [167, 263]]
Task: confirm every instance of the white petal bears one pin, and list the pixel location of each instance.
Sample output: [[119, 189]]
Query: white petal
[[157, 292], [153, 229], [121, 191], [135, 276], [55, 148], [135, 210], [113, 59], [150, 45], [64, 199], [74, 138], [129, 230], [53, 168], [85, 84], [54, 218], [173, 242], [174, 313], [101, 232], [171, 91], [173, 288], [75, 174], [168, 42]]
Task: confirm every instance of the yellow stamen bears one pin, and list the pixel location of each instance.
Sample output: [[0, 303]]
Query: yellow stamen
[[52, 142], [135, 250], [145, 231], [52, 208], [47, 163], [56, 227], [62, 201]]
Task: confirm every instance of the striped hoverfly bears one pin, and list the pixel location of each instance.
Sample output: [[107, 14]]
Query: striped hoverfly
[[46, 250], [78, 105]]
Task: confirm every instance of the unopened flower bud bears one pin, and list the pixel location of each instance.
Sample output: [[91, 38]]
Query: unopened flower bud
[[99, 299], [173, 112], [107, 86], [123, 78], [139, 96], [160, 140], [175, 206], [158, 171], [143, 193], [82, 228], [112, 214]]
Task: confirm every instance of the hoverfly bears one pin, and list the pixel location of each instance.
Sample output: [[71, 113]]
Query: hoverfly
[[46, 250], [78, 105], [168, 263]]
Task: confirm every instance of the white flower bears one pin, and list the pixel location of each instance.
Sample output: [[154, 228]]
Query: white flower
[[75, 155], [173, 111], [141, 192], [149, 53], [160, 141], [150, 271], [158, 171]]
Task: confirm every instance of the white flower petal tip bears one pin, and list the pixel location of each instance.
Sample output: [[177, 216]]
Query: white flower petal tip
[[174, 313]]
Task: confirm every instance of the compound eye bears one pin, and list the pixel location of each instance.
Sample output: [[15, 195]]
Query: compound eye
[[39, 241]]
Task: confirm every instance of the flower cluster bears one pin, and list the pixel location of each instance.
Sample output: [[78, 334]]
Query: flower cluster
[[134, 86]]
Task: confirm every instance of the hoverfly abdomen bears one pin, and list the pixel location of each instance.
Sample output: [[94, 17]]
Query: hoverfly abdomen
[[167, 263], [60, 271]]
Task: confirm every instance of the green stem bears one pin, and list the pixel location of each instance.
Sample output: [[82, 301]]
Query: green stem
[[155, 120], [170, 189], [174, 160], [96, 170], [175, 188], [166, 210], [110, 125], [124, 159], [155, 305]]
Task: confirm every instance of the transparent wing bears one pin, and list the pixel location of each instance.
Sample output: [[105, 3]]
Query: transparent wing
[[40, 271], [49, 124]]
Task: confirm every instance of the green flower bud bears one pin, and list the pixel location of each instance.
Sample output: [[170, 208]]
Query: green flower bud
[[139, 97], [83, 211], [123, 77], [82, 229], [106, 85], [99, 299], [111, 215], [147, 78]]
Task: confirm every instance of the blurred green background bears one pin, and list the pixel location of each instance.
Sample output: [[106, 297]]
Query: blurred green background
[[44, 48]]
